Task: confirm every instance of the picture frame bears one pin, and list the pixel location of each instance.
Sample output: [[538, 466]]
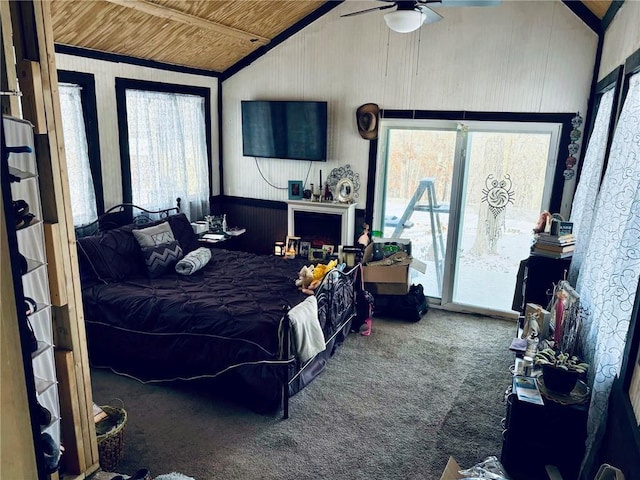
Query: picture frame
[[316, 254], [292, 247], [295, 190], [304, 249], [328, 250]]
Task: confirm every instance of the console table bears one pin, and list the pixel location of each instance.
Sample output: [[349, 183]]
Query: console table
[[344, 212]]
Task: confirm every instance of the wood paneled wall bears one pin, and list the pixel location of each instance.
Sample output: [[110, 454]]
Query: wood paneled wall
[[516, 57], [622, 38]]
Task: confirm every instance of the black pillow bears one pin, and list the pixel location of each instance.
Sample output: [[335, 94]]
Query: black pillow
[[112, 255], [183, 231]]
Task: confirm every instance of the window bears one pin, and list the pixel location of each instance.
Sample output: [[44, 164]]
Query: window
[[81, 187], [165, 145]]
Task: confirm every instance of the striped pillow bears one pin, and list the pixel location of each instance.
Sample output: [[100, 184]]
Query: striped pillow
[[193, 261], [161, 258]]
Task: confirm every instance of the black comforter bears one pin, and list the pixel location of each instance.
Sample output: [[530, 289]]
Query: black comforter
[[221, 322]]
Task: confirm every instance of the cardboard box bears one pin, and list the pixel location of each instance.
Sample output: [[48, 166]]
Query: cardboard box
[[451, 470], [385, 279]]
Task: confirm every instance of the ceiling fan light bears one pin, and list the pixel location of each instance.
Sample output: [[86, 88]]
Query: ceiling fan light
[[404, 21]]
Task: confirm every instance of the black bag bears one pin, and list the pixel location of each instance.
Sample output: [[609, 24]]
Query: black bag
[[410, 307]]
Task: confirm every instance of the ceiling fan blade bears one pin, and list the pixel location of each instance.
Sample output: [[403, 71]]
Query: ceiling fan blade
[[367, 10], [430, 15], [461, 3]]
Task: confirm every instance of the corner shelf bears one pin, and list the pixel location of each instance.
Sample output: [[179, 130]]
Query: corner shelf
[[35, 281]]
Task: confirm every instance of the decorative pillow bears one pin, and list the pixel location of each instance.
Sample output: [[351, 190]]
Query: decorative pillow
[[183, 231], [161, 258], [194, 261], [110, 256], [156, 235]]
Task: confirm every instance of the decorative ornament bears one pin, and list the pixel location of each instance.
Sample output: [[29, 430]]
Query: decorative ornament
[[497, 195], [574, 135], [576, 121], [573, 148]]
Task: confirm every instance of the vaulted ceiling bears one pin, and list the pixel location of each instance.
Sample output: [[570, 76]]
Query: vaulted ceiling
[[213, 35]]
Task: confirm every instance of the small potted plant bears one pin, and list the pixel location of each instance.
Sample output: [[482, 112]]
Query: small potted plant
[[560, 370]]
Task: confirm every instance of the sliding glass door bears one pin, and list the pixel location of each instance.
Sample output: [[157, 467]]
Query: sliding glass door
[[467, 196]]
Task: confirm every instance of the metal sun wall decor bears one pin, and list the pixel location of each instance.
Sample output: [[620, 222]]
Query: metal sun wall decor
[[497, 194], [575, 135]]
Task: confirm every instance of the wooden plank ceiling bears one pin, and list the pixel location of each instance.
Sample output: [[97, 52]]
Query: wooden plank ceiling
[[206, 34]]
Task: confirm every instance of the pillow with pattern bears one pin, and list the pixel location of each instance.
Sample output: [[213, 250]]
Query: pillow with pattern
[[161, 259], [193, 261], [156, 235]]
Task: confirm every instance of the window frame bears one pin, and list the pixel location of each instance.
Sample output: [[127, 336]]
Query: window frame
[[87, 83], [124, 84], [611, 81], [558, 183]]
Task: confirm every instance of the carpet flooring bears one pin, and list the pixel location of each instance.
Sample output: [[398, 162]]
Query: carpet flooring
[[394, 405]]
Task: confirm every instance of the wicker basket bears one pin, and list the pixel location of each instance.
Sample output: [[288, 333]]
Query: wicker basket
[[111, 437]]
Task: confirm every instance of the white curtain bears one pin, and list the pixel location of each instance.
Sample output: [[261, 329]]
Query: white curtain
[[168, 151], [83, 195], [584, 200], [608, 278]]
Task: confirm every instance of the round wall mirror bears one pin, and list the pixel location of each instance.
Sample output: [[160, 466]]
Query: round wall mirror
[[344, 190]]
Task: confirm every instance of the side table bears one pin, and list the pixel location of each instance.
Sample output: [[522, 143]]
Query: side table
[[227, 240], [539, 435]]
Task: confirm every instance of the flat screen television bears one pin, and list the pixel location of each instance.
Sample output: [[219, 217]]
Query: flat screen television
[[295, 130]]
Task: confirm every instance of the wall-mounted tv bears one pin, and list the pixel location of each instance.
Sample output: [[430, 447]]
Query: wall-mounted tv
[[295, 130]]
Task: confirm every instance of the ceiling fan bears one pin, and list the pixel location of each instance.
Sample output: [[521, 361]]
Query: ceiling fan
[[411, 15]]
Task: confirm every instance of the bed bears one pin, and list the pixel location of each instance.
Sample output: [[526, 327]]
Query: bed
[[228, 324]]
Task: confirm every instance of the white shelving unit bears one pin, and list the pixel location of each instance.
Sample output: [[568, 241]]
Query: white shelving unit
[[35, 281]]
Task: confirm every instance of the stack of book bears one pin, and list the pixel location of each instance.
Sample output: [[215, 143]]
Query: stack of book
[[555, 246]]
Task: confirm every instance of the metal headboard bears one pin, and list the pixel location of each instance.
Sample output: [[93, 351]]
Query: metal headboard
[[123, 214]]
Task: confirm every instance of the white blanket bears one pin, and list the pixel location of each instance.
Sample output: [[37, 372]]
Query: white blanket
[[307, 334]]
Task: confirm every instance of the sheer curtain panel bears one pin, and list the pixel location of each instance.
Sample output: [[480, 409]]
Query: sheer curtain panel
[[83, 195], [168, 151], [584, 201], [608, 277]]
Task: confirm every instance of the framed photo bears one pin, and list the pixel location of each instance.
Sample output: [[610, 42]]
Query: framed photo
[[292, 247], [304, 249], [328, 249], [295, 190], [316, 254]]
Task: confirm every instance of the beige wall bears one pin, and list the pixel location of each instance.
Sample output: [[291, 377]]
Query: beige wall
[[105, 75], [522, 56], [622, 38]]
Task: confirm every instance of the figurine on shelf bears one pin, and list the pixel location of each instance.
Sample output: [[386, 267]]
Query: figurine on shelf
[[364, 238], [328, 197]]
